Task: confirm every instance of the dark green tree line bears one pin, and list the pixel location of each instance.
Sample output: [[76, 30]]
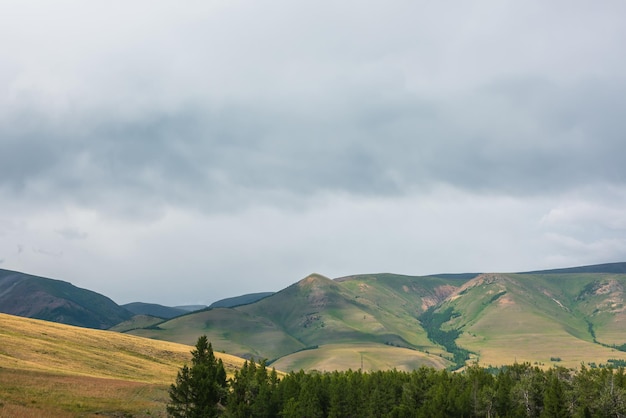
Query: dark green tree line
[[519, 390]]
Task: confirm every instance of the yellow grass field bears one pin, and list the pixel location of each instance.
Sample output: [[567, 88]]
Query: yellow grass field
[[349, 356], [54, 370]]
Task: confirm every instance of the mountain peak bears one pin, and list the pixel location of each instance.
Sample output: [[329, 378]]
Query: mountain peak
[[314, 279]]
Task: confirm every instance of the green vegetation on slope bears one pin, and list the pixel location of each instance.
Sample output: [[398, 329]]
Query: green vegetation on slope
[[432, 322]]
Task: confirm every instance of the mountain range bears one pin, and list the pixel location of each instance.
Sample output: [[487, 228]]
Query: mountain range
[[381, 321]]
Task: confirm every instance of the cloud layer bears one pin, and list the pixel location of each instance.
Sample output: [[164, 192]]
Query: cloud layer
[[225, 147]]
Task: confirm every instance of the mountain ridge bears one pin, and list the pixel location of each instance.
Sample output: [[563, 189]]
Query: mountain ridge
[[573, 316], [616, 267], [240, 300]]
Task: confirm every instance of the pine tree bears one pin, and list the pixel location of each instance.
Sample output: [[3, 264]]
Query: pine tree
[[200, 389], [554, 399], [253, 392], [180, 395]]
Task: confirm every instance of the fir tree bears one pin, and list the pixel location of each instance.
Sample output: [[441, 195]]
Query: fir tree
[[200, 389], [554, 399]]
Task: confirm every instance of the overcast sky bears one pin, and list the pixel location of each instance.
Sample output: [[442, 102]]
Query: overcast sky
[[182, 152]]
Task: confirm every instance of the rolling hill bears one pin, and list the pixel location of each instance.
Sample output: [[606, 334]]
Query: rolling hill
[[380, 321], [377, 321], [57, 370]]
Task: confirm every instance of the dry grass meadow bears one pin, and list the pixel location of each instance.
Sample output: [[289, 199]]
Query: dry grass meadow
[[54, 370], [371, 357]]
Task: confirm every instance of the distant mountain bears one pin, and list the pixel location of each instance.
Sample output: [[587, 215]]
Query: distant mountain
[[240, 300], [379, 321], [191, 308], [58, 301], [617, 268], [153, 309]]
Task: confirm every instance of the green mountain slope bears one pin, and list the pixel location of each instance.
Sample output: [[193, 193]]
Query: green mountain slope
[[229, 330], [377, 310], [569, 318]]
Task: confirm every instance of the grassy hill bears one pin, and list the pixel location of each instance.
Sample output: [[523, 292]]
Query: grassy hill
[[376, 310], [56, 370], [546, 318]]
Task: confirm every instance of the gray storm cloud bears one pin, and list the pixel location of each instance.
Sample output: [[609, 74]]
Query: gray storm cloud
[[541, 140], [116, 118]]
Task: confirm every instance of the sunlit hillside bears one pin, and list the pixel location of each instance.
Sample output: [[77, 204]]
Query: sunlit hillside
[[564, 319], [56, 370]]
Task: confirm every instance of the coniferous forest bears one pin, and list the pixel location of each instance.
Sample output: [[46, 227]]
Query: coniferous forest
[[518, 390]]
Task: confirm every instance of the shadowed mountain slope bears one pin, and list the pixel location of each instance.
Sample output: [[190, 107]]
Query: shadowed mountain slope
[[58, 301], [240, 300]]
